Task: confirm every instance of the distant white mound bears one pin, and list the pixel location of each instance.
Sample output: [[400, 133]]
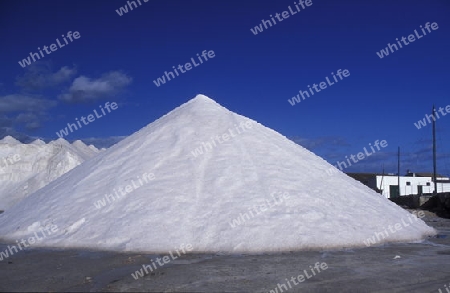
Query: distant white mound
[[222, 183], [24, 168], [92, 147], [86, 150], [9, 140], [38, 142]]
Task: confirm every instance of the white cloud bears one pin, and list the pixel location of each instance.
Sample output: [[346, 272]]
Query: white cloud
[[85, 89], [20, 103], [39, 75]]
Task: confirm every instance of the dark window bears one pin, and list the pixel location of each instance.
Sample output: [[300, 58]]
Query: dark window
[[408, 183], [428, 183]]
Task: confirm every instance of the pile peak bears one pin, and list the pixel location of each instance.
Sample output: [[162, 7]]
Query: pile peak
[[9, 140], [203, 97], [59, 141], [79, 143], [202, 100], [38, 142]]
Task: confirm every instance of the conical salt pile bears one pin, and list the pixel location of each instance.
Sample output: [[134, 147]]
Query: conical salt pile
[[205, 176]]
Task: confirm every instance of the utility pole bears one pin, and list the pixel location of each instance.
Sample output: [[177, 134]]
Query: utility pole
[[434, 151], [398, 172], [381, 183]]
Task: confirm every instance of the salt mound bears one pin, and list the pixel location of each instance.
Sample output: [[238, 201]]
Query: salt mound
[[9, 140], [79, 143], [38, 142], [82, 147], [25, 168], [222, 182], [92, 147]]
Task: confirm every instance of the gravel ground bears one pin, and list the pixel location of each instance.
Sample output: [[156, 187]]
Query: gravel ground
[[414, 267]]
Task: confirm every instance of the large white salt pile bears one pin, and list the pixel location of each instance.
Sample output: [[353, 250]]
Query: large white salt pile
[[189, 176], [24, 168]]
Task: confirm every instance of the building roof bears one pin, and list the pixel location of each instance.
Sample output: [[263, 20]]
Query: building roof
[[363, 177], [409, 174], [366, 176]]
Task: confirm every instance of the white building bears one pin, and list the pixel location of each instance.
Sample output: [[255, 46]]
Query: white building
[[411, 183]]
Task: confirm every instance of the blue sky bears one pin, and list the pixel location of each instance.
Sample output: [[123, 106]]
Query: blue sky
[[116, 58]]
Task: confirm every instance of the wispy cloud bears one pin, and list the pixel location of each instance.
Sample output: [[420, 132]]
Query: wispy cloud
[[24, 110], [28, 108], [24, 103], [40, 75], [85, 89]]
